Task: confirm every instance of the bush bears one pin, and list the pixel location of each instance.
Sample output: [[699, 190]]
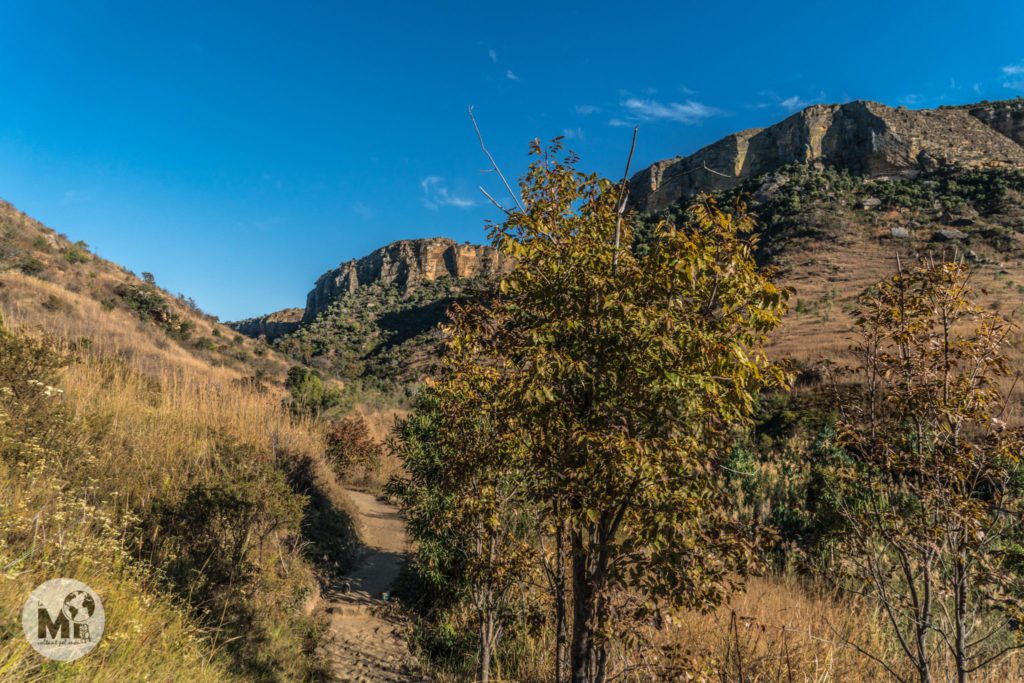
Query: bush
[[309, 395], [76, 254], [30, 265], [350, 446]]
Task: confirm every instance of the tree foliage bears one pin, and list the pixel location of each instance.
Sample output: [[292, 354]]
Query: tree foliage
[[927, 484], [610, 383]]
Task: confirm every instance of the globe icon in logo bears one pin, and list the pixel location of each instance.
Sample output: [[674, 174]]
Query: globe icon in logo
[[78, 606], [63, 619]]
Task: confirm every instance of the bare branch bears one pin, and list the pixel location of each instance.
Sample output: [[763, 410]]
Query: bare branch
[[494, 164], [494, 201], [623, 198]]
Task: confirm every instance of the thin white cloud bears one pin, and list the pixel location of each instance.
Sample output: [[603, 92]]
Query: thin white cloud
[[1014, 69], [573, 134], [76, 197], [1014, 85], [789, 104], [690, 111], [363, 211], [687, 91], [493, 55], [510, 75], [437, 195], [587, 109], [794, 103]]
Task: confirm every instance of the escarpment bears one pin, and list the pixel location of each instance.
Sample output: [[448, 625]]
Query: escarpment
[[865, 138]]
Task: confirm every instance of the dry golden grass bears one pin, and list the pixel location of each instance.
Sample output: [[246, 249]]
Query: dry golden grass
[[777, 630], [147, 636], [154, 416]]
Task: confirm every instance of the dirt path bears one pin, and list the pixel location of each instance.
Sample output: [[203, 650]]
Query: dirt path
[[366, 645]]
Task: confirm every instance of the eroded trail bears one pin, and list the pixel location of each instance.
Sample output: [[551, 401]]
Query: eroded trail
[[366, 644]]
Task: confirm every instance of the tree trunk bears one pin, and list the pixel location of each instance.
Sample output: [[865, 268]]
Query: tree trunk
[[484, 670], [561, 634], [581, 653], [960, 615]]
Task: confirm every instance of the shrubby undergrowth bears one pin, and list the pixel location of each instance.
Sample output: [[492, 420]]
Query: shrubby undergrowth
[[186, 504]]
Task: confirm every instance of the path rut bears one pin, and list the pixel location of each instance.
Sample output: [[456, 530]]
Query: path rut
[[367, 644]]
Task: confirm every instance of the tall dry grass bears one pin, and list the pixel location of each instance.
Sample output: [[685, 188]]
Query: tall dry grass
[[151, 428], [779, 629]]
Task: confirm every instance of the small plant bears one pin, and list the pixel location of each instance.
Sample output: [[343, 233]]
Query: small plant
[[205, 344], [30, 265], [55, 304], [77, 253]]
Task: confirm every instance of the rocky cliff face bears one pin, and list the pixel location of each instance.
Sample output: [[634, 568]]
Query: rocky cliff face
[[1005, 117], [403, 264], [866, 138], [271, 326]]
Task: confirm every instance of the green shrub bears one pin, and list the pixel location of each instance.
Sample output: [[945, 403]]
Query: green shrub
[[30, 265]]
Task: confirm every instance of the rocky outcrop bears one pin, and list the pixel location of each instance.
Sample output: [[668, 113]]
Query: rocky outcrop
[[270, 326], [1006, 117], [403, 264], [866, 138]]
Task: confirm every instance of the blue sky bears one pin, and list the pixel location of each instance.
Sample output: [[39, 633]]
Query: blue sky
[[238, 150]]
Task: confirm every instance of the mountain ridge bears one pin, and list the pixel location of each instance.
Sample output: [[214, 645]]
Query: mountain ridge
[[866, 138]]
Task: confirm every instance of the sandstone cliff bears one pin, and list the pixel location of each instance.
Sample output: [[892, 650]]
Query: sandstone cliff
[[271, 326], [403, 264], [866, 138]]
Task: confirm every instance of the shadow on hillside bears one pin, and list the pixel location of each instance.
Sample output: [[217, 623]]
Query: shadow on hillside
[[331, 540], [401, 326]]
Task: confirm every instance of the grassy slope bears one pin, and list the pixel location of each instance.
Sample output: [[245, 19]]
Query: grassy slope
[[163, 476]]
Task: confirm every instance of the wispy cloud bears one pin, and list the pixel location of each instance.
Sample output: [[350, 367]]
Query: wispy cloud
[[636, 109], [510, 75], [587, 109], [573, 134], [75, 197], [794, 103], [363, 211], [437, 195], [493, 55], [789, 104], [1015, 74]]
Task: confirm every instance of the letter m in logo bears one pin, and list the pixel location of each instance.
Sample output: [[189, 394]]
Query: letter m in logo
[[50, 628]]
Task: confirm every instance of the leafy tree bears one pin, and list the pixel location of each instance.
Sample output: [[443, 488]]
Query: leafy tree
[[464, 499], [309, 395], [927, 484], [622, 377]]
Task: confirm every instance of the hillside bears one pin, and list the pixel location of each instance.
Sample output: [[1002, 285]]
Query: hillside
[[49, 281], [146, 450]]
